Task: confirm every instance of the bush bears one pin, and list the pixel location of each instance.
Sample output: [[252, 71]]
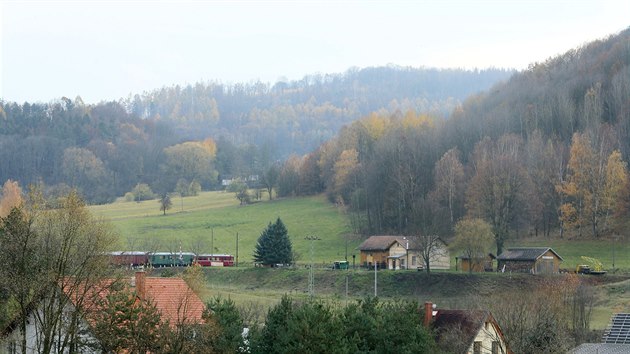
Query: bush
[[142, 191], [129, 197], [194, 188]]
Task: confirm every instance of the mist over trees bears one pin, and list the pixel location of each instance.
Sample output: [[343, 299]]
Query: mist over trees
[[205, 132]]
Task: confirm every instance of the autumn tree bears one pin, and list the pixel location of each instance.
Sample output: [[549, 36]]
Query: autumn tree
[[10, 197], [192, 160], [87, 173], [345, 169], [72, 246], [594, 179], [614, 188], [473, 237]]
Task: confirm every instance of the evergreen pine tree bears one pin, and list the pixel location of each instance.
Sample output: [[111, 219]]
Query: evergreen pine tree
[[274, 245]]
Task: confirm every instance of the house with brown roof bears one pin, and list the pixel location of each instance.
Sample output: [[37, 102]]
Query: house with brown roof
[[400, 252], [534, 260], [466, 331], [176, 302]]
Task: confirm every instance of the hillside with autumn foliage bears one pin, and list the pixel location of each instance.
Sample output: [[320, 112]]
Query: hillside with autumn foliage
[[545, 152]]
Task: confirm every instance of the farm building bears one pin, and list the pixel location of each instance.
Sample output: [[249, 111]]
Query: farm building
[[466, 331], [483, 263], [535, 260], [400, 252]]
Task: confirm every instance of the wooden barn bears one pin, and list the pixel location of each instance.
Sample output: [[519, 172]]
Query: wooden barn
[[483, 263], [535, 260]]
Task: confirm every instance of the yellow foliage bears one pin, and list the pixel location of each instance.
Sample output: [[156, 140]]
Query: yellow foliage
[[210, 146], [11, 197], [412, 120], [375, 125], [345, 165]]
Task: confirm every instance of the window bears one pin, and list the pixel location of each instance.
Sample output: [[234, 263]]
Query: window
[[414, 260], [12, 347], [495, 347], [477, 348]]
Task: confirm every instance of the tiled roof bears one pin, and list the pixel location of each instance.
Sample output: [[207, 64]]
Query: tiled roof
[[525, 253], [379, 243], [174, 299], [469, 322]]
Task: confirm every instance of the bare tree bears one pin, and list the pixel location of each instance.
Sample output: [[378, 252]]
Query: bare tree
[[429, 247]]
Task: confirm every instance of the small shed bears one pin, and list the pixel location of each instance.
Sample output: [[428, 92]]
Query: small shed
[[535, 260], [483, 263]]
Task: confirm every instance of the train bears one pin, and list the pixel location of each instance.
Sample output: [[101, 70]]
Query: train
[[136, 259]]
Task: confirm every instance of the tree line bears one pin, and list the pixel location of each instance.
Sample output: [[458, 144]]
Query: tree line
[[106, 149]]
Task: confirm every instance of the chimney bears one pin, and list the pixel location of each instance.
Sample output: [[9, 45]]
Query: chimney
[[428, 313], [140, 284]]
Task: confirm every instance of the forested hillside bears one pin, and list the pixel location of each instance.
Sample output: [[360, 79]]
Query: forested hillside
[[173, 136], [546, 150]]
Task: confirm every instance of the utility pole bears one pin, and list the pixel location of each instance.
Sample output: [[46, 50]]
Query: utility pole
[[375, 279], [311, 276], [236, 249]]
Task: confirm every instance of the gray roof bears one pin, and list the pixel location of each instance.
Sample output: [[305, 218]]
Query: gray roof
[[525, 253], [601, 348], [618, 331], [383, 243]]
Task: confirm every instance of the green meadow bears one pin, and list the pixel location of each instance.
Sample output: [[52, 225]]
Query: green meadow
[[211, 221]]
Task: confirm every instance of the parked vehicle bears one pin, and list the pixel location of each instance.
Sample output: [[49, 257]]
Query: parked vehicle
[[341, 265]]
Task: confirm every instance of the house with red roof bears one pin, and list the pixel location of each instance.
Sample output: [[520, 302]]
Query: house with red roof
[[174, 300]]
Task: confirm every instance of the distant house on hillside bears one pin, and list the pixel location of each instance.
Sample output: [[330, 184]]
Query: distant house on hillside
[[400, 252], [466, 331], [172, 297], [535, 260]]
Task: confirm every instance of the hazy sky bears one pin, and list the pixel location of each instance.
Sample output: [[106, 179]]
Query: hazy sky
[[103, 50]]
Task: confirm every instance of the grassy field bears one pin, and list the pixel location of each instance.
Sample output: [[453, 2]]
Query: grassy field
[[211, 221]]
